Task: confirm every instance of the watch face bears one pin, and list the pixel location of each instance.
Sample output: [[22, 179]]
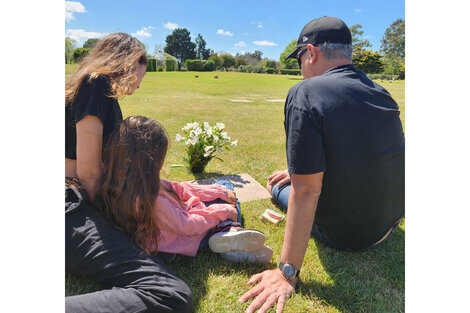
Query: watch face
[[289, 271]]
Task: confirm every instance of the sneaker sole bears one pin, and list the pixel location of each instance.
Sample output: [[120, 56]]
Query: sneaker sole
[[245, 240], [262, 255]]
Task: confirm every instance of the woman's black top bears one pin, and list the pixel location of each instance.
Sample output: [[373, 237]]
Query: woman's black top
[[92, 99]]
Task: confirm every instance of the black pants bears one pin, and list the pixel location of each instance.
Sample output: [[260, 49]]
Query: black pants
[[137, 282]]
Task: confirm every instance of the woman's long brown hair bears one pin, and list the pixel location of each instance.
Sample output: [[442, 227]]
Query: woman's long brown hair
[[133, 158], [115, 56]]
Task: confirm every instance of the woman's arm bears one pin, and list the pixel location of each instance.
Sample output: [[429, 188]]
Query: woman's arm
[[89, 145]]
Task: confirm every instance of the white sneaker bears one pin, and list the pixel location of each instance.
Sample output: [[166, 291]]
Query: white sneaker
[[236, 239], [262, 255]]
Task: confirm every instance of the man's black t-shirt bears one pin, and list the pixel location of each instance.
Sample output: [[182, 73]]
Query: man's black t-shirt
[[347, 126], [92, 99]]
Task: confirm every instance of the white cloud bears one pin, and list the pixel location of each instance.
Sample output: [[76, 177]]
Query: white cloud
[[224, 32], [144, 32], [260, 25], [77, 34], [170, 25], [357, 10], [240, 44], [73, 7], [264, 43]]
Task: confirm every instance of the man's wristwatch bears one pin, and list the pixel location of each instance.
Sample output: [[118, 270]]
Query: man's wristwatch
[[288, 270]]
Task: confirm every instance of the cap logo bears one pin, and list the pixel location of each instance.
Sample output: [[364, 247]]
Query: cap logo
[[304, 39]]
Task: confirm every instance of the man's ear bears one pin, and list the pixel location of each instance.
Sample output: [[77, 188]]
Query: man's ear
[[312, 53]]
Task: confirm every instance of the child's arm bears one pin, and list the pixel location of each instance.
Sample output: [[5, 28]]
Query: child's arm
[[176, 220], [203, 192]]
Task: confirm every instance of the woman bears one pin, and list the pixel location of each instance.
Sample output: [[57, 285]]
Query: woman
[[112, 70], [135, 281]]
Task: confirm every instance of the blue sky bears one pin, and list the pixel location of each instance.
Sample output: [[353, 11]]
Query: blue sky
[[230, 26]]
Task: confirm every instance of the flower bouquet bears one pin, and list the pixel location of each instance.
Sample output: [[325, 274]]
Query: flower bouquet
[[203, 142]]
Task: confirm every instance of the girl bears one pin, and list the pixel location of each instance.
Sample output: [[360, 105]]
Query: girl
[[113, 69], [168, 216]]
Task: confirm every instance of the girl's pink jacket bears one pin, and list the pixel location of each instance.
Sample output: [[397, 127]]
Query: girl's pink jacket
[[182, 226]]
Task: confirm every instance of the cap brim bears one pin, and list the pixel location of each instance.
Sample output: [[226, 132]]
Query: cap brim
[[293, 54]]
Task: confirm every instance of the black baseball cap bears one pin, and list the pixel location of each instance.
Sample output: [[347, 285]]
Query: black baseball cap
[[325, 29]]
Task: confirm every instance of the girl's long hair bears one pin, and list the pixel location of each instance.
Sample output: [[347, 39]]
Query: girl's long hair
[[115, 56], [130, 182]]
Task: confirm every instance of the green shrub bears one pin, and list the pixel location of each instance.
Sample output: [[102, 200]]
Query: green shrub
[[287, 71], [151, 65], [383, 76], [160, 68], [271, 64], [200, 65], [170, 65], [217, 60], [270, 70], [368, 61], [79, 54], [227, 61], [251, 69], [209, 66]]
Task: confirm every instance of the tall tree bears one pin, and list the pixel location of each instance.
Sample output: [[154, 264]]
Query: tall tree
[[90, 43], [179, 45], [289, 63], [69, 47], [258, 54], [393, 46], [357, 41], [201, 52]]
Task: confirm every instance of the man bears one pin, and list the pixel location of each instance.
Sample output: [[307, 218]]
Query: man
[[345, 153]]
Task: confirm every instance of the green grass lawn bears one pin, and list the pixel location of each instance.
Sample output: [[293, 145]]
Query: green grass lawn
[[372, 281]]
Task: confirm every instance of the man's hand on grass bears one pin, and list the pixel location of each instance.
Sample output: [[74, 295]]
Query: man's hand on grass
[[273, 288]]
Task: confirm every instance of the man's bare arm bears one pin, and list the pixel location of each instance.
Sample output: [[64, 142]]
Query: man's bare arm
[[273, 287]]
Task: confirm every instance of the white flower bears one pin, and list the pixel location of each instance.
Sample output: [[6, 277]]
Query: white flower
[[194, 141], [195, 132], [194, 125], [179, 138], [188, 142], [220, 125], [209, 131], [225, 137], [206, 126], [234, 143], [208, 150], [216, 138]]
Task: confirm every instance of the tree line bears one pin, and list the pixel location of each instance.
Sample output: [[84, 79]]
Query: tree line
[[390, 59]]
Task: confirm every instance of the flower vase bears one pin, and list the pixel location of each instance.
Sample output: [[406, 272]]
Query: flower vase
[[198, 163]]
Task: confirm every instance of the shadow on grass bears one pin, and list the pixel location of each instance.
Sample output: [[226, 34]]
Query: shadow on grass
[[196, 271], [370, 281], [205, 175]]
